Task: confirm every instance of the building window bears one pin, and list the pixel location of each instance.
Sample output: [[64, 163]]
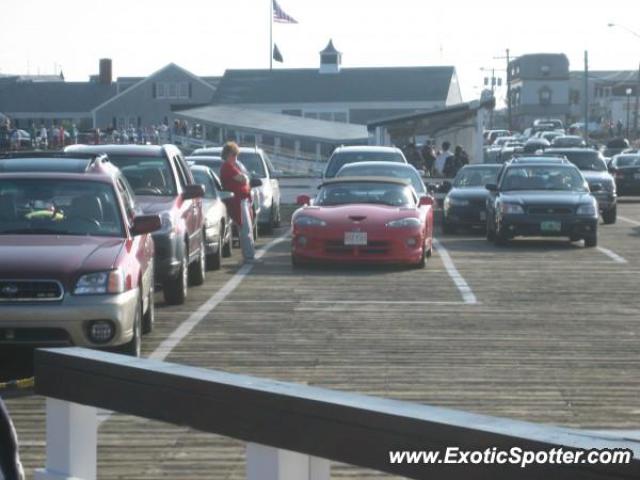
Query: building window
[[161, 90], [183, 90], [172, 90], [545, 96], [545, 69]]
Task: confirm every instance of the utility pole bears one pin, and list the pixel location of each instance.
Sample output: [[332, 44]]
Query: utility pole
[[509, 93], [586, 96], [635, 121]]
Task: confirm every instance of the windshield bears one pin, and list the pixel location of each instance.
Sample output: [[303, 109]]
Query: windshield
[[340, 159], [391, 194], [586, 160], [475, 177], [543, 177], [59, 207], [404, 173], [627, 161], [253, 163], [147, 175]]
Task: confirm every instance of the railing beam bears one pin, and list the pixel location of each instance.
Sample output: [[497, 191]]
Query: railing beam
[[269, 463], [72, 442]]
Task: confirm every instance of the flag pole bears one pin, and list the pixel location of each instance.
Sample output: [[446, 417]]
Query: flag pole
[[270, 34]]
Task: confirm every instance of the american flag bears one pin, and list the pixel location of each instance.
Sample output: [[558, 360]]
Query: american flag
[[280, 16]]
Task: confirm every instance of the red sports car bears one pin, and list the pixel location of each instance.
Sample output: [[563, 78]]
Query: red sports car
[[363, 219]]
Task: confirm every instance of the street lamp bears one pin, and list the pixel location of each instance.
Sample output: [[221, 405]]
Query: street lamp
[[628, 91]]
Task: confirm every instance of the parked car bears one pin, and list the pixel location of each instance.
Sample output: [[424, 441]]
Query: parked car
[[364, 220], [164, 185], [76, 263], [541, 199], [615, 147], [554, 123], [625, 169], [551, 136], [386, 169], [568, 141], [218, 239], [491, 135], [465, 203], [354, 154], [535, 144], [593, 167], [215, 163], [257, 162]]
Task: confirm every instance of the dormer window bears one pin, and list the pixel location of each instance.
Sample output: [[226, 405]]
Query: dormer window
[[545, 69]]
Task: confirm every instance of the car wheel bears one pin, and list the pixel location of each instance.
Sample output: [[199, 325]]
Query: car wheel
[[134, 346], [175, 289], [149, 318], [197, 270], [591, 241], [214, 260], [423, 259], [610, 216], [228, 246], [278, 220]]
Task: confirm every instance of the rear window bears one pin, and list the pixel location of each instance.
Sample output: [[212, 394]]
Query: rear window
[[340, 159], [627, 161], [253, 163], [404, 173], [475, 177]]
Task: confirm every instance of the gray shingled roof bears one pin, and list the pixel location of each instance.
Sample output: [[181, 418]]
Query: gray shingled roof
[[52, 97], [276, 124], [349, 85]]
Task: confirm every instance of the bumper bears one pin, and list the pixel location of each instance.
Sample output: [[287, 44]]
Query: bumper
[[606, 200], [403, 248], [529, 226], [471, 216], [67, 322], [168, 256]]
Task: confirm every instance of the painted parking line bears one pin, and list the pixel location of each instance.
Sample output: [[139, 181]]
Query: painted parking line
[[612, 255], [463, 287], [350, 302], [628, 220]]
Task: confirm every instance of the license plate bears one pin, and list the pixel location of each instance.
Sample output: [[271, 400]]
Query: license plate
[[636, 176], [355, 238], [483, 216], [551, 226]]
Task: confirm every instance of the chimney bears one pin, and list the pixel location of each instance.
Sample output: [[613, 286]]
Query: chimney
[[105, 75], [330, 59]]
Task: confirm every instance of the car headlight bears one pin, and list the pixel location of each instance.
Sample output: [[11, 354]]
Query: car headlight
[[307, 221], [404, 223], [511, 209], [100, 283], [610, 186], [587, 209], [455, 202]]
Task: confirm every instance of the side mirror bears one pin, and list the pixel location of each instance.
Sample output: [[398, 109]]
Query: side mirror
[[193, 191], [255, 182], [596, 187], [224, 196], [145, 224], [425, 200], [492, 187], [303, 200]]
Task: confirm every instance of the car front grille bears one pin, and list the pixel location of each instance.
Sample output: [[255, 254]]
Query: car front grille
[[30, 291], [40, 336], [550, 210], [337, 247]]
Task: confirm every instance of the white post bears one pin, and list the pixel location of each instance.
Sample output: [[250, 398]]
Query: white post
[[72, 442], [277, 142], [296, 149], [269, 463]]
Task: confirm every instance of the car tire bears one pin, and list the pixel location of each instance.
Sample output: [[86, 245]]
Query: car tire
[[227, 247], [423, 260], [277, 220], [591, 241], [175, 289], [198, 269], [610, 216], [214, 260], [134, 346], [149, 318]]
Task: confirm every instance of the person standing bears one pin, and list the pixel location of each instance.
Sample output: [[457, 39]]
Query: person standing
[[235, 178], [429, 158], [441, 159]]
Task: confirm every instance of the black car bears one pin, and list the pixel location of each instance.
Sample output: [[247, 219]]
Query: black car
[[465, 203], [593, 167], [164, 185], [541, 199], [625, 169]]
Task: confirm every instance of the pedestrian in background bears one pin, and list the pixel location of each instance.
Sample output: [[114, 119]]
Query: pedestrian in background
[[235, 178], [429, 158], [441, 160], [10, 466]]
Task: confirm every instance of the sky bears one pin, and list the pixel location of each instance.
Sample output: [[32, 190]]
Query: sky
[[209, 36]]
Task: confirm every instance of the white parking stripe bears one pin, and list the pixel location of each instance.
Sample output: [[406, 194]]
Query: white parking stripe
[[628, 220], [612, 255], [166, 347], [352, 302], [462, 285]]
